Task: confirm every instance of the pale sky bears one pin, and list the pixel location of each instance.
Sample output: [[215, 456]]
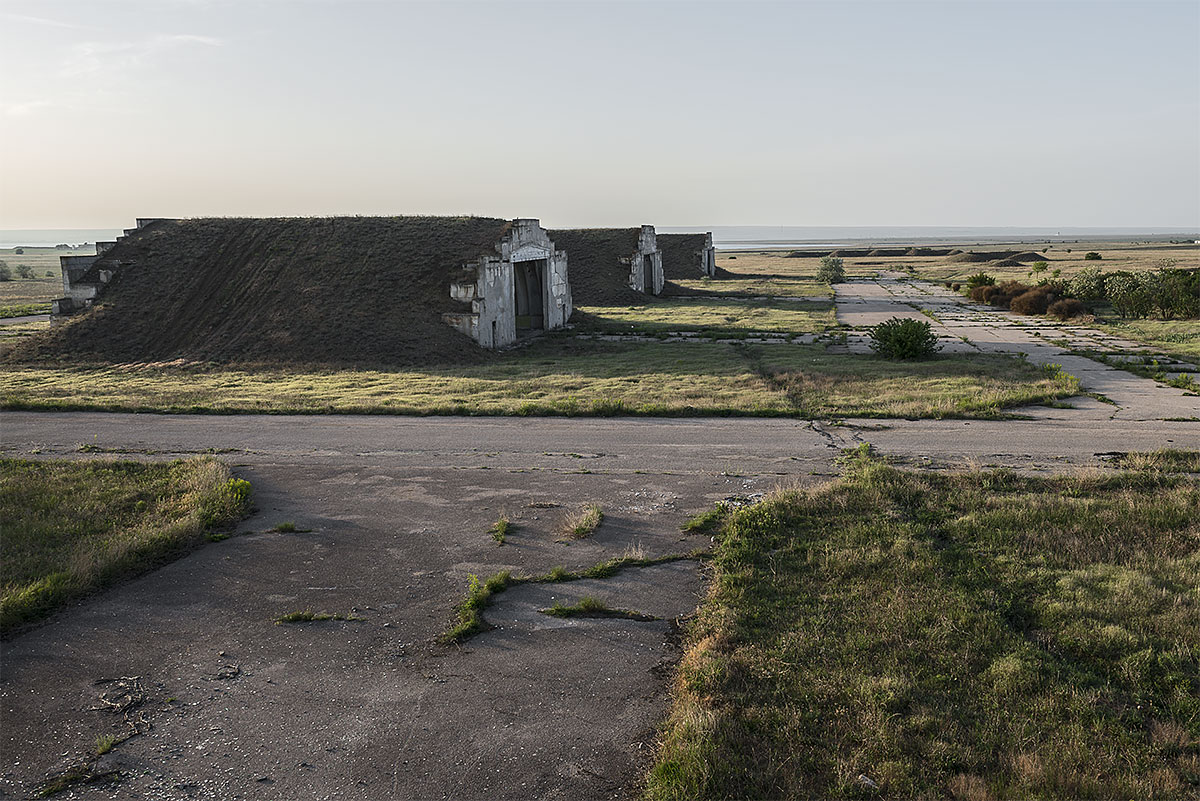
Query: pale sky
[[603, 113]]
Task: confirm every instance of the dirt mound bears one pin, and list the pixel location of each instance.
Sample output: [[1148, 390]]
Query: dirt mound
[[338, 291], [1020, 257], [598, 264], [681, 255], [1005, 263]]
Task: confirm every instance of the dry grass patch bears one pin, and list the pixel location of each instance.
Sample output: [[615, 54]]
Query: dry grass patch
[[581, 523], [71, 528], [980, 635]]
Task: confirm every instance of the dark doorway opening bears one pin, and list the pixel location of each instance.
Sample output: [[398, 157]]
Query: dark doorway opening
[[528, 282], [648, 275]]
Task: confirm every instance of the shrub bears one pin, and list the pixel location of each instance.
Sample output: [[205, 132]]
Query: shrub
[[5, 272], [1087, 285], [1039, 266], [1035, 301], [831, 270], [1092, 255], [1127, 294], [979, 293], [956, 286], [25, 271], [904, 339], [980, 279], [1066, 308]]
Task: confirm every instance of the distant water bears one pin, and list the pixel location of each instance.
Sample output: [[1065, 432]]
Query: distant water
[[756, 237], [751, 237], [49, 237]]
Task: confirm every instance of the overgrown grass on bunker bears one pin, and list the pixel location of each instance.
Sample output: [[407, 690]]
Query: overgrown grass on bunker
[[337, 290]]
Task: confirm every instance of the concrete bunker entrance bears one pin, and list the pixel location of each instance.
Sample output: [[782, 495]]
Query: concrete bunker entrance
[[648, 274], [529, 282]]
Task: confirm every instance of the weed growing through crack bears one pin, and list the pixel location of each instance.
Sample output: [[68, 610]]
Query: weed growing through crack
[[468, 618], [501, 529], [582, 523], [590, 606], [286, 527], [309, 616], [104, 744]]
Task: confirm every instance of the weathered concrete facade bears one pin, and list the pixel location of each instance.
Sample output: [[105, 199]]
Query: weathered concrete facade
[[708, 257], [521, 289], [82, 281], [688, 256], [645, 264]]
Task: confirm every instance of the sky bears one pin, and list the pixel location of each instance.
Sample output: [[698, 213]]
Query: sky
[[955, 113]]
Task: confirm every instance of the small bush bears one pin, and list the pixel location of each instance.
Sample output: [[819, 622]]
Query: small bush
[[956, 286], [1087, 285], [1066, 308], [980, 279], [5, 272], [904, 339], [979, 293], [1092, 255], [25, 271], [831, 270], [1035, 301]]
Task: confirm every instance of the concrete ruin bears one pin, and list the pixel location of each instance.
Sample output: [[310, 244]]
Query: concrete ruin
[[521, 290], [85, 277], [646, 264], [688, 256]]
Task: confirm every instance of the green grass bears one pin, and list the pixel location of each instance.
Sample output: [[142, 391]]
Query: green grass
[[501, 529], [589, 606], [1166, 461], [1177, 338], [309, 616], [104, 744], [714, 317], [581, 523], [705, 522], [561, 377], [71, 528], [468, 613], [976, 635], [23, 309]]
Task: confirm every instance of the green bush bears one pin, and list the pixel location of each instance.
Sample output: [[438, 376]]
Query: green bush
[[25, 271], [980, 279], [1087, 285], [1035, 301], [1091, 255], [5, 272], [831, 270], [904, 339]]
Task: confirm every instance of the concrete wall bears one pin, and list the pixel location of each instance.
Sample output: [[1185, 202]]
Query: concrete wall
[[708, 257], [489, 286], [79, 294], [647, 254]]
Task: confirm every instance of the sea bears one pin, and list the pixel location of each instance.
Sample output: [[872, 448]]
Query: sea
[[764, 237]]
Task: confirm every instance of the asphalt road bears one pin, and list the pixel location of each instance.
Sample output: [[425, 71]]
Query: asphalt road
[[394, 514]]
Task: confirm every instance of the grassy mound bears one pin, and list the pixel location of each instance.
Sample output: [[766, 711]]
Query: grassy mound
[[336, 291], [918, 635], [598, 264], [681, 255]]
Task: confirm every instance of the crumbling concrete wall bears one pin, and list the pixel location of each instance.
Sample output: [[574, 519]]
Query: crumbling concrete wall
[[708, 257], [645, 264], [490, 286], [82, 282]]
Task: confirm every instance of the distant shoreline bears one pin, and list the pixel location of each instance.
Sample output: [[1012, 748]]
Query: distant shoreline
[[764, 237]]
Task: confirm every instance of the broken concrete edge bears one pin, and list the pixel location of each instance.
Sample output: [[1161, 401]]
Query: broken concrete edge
[[469, 611]]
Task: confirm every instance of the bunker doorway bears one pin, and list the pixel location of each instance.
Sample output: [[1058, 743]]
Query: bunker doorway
[[529, 280], [648, 274]]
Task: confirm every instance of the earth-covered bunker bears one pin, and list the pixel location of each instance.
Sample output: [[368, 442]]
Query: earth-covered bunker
[[337, 290], [688, 256], [612, 265], [520, 289]]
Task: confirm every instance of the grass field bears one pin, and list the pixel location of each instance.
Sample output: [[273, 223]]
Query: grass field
[[715, 317], [74, 527], [22, 296], [1115, 256], [561, 377], [1178, 338], [979, 635]]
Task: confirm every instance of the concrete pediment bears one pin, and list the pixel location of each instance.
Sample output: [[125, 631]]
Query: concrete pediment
[[530, 252]]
